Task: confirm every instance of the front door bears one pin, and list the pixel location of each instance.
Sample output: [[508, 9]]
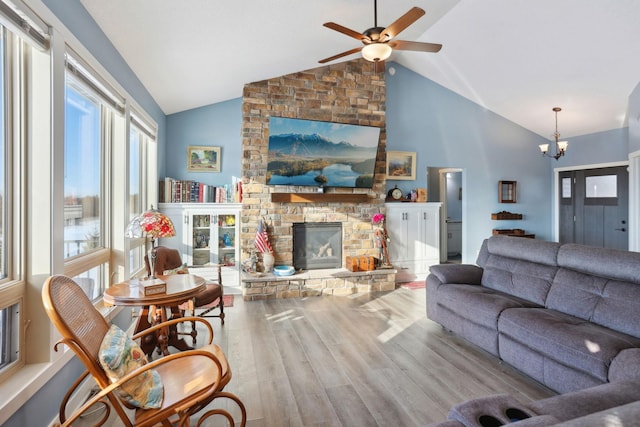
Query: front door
[[594, 207]]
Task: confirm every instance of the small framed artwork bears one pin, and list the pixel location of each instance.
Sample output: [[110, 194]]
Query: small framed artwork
[[401, 165], [203, 159], [507, 192]]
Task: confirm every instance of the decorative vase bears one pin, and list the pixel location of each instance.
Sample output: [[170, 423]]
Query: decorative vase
[[268, 260]]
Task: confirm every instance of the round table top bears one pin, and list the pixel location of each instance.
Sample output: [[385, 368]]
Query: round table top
[[180, 288]]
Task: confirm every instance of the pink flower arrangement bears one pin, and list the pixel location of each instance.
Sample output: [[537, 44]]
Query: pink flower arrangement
[[378, 218]]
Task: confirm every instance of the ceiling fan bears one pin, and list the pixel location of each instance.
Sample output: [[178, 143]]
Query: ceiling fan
[[378, 41]]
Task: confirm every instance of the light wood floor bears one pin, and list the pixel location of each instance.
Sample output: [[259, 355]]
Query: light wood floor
[[367, 360]]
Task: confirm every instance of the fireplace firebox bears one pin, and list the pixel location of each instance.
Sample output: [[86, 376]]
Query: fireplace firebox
[[317, 245]]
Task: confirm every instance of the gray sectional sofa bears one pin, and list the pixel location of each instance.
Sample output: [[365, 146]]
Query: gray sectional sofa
[[566, 315]]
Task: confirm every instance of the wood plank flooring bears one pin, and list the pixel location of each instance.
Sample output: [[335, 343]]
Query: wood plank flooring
[[364, 360]]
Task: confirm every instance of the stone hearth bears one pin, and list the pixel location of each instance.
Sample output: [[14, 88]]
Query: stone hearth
[[338, 282]]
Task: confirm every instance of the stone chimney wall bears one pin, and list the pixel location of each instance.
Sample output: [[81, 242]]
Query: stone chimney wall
[[349, 92]]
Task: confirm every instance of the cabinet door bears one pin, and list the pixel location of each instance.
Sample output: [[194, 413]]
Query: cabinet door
[[430, 234], [397, 225], [225, 249], [200, 238]]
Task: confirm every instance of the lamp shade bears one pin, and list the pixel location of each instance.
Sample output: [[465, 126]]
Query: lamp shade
[[156, 224], [151, 223], [375, 52]]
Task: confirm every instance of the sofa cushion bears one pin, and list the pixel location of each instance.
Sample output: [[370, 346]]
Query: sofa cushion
[[626, 366], [536, 251], [611, 303], [478, 303], [523, 279], [572, 341], [603, 262]]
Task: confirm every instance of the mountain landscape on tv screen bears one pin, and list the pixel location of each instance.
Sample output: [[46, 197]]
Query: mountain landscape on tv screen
[[313, 159]]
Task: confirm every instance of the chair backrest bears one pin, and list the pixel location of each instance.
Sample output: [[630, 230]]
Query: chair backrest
[[166, 259], [80, 323]]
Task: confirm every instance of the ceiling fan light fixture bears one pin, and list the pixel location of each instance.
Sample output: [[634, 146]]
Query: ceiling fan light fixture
[[375, 52]]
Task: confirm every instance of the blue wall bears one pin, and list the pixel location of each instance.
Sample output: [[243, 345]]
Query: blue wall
[[595, 148], [449, 131], [217, 125]]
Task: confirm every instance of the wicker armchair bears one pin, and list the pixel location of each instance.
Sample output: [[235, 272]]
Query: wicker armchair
[[192, 379]]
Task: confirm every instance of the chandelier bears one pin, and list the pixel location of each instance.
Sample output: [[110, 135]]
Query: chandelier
[[561, 146]]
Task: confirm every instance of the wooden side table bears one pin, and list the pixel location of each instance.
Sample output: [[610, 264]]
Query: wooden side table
[[180, 288]]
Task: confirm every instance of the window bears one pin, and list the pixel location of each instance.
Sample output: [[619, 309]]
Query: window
[[83, 198], [64, 193], [601, 186], [91, 120], [9, 335], [137, 199]]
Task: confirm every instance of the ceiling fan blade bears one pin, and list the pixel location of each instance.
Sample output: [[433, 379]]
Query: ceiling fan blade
[[344, 30], [418, 46], [340, 55], [401, 23]]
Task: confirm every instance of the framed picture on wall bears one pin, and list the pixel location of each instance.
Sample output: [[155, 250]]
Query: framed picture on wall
[[203, 158], [401, 165]]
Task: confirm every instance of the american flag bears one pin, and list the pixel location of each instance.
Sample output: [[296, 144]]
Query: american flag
[[262, 239]]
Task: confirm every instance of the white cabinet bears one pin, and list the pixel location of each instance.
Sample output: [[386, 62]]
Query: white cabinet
[[414, 232], [206, 233]]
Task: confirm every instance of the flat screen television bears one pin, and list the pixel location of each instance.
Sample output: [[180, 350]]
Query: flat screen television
[[315, 153]]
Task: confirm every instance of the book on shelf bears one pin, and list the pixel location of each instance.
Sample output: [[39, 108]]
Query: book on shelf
[[172, 190]]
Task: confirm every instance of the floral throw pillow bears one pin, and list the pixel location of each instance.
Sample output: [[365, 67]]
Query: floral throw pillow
[[118, 356]]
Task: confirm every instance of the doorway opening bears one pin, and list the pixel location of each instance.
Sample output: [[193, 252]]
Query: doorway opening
[[446, 186]]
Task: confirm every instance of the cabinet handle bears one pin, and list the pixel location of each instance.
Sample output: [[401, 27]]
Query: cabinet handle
[[424, 214]]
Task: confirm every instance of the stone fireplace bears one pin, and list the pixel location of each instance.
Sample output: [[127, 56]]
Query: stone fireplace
[[317, 245], [350, 92]]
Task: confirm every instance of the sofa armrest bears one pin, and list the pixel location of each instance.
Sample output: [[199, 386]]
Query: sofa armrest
[[464, 274]]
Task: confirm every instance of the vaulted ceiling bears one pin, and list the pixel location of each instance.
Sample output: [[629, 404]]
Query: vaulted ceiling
[[517, 58]]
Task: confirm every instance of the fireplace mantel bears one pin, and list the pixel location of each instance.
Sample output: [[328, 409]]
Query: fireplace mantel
[[320, 198]]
